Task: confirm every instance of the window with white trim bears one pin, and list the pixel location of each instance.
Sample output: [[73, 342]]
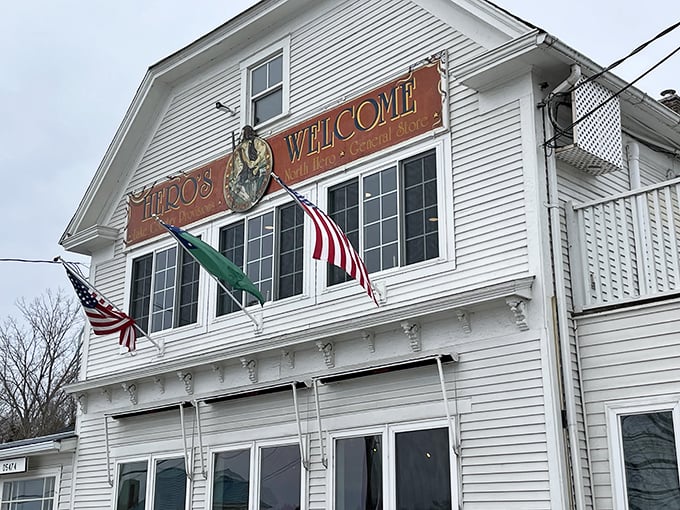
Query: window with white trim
[[381, 470], [167, 490], [276, 482], [391, 213], [164, 290], [645, 448], [265, 84], [28, 494], [269, 247]]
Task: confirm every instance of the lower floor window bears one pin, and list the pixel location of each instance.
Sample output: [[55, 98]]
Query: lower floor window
[[31, 494], [278, 470], [644, 440], [650, 459], [419, 459], [168, 490]]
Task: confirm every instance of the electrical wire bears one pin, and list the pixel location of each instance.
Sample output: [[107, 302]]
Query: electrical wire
[[622, 60], [612, 97]]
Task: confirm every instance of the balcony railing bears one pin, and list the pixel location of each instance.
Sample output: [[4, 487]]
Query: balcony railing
[[625, 248]]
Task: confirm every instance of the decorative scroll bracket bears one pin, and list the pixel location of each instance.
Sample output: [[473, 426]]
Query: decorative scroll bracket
[[251, 366], [288, 358], [82, 402], [412, 331], [131, 388], [369, 338], [160, 382], [107, 393], [219, 370], [326, 348], [188, 379], [464, 319], [518, 306], [380, 291]]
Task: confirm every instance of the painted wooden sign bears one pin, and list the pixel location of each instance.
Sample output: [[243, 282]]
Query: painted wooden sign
[[404, 108]]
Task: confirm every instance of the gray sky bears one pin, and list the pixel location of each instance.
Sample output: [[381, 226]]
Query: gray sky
[[70, 69]]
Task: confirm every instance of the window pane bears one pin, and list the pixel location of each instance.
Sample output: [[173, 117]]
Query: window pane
[[131, 486], [291, 221], [380, 220], [259, 79], [358, 473], [140, 298], [280, 480], [171, 485], [163, 298], [232, 480], [422, 460], [259, 258], [420, 208], [188, 290], [275, 71], [231, 246], [343, 203], [268, 106], [651, 462]]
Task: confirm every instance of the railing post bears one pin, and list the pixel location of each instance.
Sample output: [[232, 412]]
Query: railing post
[[576, 242]]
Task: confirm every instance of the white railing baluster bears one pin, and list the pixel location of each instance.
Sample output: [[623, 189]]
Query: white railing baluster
[[625, 247]]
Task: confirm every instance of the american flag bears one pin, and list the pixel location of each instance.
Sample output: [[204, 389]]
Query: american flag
[[103, 317], [330, 242]]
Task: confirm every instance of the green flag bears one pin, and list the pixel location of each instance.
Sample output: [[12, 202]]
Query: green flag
[[214, 262]]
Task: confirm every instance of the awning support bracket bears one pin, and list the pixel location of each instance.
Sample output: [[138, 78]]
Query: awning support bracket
[[324, 460], [204, 472], [451, 426], [109, 478], [305, 461], [187, 467]]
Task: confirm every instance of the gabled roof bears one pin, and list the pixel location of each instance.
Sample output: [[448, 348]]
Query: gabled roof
[[88, 230]]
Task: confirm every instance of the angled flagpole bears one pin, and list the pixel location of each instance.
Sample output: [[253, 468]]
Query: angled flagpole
[[257, 323], [75, 271]]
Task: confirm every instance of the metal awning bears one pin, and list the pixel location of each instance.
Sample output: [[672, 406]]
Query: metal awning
[[384, 366]]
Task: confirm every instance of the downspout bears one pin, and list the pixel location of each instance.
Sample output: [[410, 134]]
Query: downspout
[[642, 239], [561, 304]]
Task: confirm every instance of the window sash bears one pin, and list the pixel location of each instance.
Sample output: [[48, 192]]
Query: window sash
[[132, 483], [614, 412], [272, 72], [170, 484], [164, 295], [271, 245], [389, 485], [397, 214], [14, 493]]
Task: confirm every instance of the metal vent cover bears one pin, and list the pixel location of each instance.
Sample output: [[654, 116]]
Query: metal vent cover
[[597, 147]]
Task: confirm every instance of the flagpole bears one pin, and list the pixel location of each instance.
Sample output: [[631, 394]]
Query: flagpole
[[76, 271], [258, 324]]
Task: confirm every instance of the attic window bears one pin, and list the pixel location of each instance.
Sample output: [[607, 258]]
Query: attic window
[[265, 85]]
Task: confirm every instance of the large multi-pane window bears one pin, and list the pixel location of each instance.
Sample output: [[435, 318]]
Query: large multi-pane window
[[269, 247], [419, 459], [278, 470], [644, 441], [266, 89], [168, 490], [29, 494], [395, 210], [164, 291]]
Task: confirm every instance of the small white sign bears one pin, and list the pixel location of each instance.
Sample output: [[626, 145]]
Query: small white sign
[[12, 466]]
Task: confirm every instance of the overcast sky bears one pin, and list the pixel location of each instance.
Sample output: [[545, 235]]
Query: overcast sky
[[69, 70]]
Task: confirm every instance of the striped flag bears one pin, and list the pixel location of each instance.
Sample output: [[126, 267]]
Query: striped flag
[[102, 315], [330, 242]]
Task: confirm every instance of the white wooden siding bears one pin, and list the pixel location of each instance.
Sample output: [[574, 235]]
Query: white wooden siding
[[486, 159], [625, 354], [497, 384]]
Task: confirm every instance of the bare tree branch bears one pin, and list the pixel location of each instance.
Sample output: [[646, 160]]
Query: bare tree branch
[[41, 356]]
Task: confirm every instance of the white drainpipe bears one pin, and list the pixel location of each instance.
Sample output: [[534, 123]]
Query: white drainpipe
[[562, 314]]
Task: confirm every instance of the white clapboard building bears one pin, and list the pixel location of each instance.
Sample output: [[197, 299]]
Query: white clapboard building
[[517, 210]]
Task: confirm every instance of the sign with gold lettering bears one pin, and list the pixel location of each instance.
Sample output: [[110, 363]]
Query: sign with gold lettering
[[402, 109]]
